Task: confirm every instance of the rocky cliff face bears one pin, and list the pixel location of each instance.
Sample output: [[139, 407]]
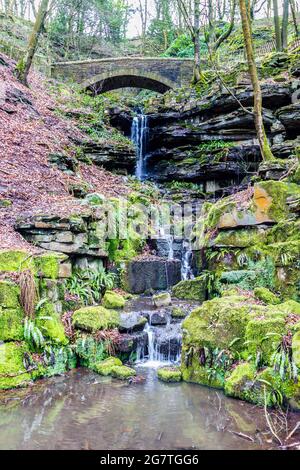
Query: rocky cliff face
[[212, 140]]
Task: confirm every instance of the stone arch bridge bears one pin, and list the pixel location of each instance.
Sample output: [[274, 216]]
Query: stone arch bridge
[[157, 74]]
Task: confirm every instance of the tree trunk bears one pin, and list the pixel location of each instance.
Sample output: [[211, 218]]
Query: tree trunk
[[25, 63], [196, 40], [294, 15], [277, 26], [257, 96], [285, 22], [229, 30]]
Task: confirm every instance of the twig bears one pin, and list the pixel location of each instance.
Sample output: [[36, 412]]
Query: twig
[[293, 431], [242, 435], [268, 419]]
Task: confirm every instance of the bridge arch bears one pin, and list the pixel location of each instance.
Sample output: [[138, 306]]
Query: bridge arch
[[128, 77]]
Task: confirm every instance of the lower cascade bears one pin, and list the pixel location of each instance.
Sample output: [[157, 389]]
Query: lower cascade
[[163, 344]]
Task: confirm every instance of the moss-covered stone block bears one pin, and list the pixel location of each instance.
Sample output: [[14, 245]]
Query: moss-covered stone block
[[264, 335], [92, 319], [50, 324], [169, 374], [122, 372], [15, 260], [193, 289], [105, 367], [12, 371], [240, 382], [11, 324], [48, 265], [113, 300], [266, 296], [9, 295]]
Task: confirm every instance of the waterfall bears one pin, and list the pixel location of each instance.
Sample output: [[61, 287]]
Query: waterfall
[[186, 263], [164, 345], [139, 135]]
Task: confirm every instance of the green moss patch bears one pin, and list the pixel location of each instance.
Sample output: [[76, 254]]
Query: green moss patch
[[12, 371], [194, 289], [113, 300], [266, 296], [92, 319], [122, 372], [105, 367], [169, 374]]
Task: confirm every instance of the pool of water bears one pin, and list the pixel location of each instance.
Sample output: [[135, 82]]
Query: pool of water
[[82, 410]]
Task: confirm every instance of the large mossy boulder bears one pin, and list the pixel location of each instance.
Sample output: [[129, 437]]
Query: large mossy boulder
[[12, 371], [235, 342], [193, 289], [92, 319], [217, 323], [113, 300]]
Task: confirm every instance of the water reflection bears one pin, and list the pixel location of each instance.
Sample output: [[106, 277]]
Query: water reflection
[[84, 411]]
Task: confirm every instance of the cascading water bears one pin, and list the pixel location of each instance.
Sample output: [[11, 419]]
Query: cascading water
[[139, 135], [163, 345], [186, 263]]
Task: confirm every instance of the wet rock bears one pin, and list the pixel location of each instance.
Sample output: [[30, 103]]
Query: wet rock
[[162, 300], [132, 322], [129, 343], [145, 275], [167, 342], [112, 157], [159, 318], [290, 117], [286, 149]]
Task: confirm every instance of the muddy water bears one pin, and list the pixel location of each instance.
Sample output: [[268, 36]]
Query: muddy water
[[85, 411]]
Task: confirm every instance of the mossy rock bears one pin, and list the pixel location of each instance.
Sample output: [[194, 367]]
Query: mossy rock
[[162, 300], [48, 264], [178, 312], [50, 324], [264, 335], [169, 374], [113, 300], [217, 323], [92, 319], [192, 370], [193, 289], [296, 348], [105, 367], [12, 371], [15, 260], [9, 295], [11, 324], [266, 296], [240, 382], [122, 372]]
